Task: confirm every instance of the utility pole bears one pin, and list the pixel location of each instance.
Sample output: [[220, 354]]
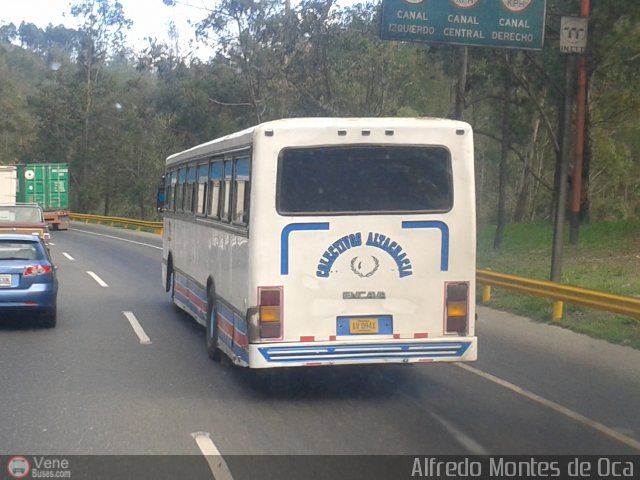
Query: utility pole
[[562, 171], [573, 40], [581, 113]]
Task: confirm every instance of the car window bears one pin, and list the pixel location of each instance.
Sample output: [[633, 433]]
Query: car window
[[16, 250], [28, 215], [21, 214], [7, 215]]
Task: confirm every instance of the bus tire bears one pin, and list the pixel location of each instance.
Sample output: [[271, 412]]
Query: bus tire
[[168, 283], [171, 287], [211, 334]]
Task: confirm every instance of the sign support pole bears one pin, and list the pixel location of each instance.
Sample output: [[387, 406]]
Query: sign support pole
[[561, 182], [581, 107]]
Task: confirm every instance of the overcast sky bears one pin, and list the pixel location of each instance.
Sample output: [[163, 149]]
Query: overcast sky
[[150, 17]]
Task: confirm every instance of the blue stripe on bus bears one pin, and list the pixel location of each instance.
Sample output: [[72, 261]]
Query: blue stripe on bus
[[444, 244], [190, 294], [240, 333], [284, 240], [227, 316], [240, 324], [242, 353], [373, 351], [193, 292]]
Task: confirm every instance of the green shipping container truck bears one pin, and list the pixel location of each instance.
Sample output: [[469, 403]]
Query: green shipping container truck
[[46, 184]]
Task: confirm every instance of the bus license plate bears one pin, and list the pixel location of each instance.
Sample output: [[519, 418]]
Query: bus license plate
[[5, 280], [363, 325]]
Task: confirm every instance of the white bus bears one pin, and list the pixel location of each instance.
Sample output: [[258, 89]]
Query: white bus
[[326, 241]]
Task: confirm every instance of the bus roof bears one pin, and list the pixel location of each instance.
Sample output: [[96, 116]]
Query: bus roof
[[244, 137]]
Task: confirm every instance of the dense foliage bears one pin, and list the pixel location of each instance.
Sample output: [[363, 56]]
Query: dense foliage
[[84, 97]]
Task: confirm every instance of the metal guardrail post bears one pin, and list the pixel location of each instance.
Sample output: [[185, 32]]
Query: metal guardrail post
[[486, 294], [557, 310], [562, 293]]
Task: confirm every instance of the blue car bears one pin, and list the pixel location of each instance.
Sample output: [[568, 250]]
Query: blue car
[[28, 281]]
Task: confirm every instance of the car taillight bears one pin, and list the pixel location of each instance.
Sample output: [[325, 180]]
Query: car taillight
[[457, 308], [35, 270], [270, 317]]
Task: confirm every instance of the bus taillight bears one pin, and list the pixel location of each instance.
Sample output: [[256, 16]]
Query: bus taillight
[[270, 320], [457, 308]]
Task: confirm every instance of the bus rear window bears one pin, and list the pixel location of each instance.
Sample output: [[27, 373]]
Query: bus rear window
[[364, 179]]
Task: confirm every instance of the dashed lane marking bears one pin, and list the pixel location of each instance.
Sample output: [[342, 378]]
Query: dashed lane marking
[[100, 282], [216, 462], [137, 328]]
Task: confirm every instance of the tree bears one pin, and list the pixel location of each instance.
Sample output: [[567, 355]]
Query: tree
[[241, 29], [8, 33], [102, 35]]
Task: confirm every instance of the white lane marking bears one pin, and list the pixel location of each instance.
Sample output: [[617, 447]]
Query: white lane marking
[[463, 439], [117, 238], [144, 339], [610, 432], [68, 256], [101, 282], [216, 463]]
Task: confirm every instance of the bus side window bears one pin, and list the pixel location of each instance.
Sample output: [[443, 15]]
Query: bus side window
[[162, 196], [226, 191], [190, 190], [201, 192], [167, 192], [182, 177], [215, 178], [172, 191], [242, 181]]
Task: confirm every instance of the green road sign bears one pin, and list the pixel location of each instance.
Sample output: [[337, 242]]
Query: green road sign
[[489, 23]]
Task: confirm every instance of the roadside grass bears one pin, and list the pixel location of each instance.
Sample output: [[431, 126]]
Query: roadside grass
[[607, 258]]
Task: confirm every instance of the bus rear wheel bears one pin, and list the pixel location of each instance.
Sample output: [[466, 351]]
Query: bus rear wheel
[[211, 335]]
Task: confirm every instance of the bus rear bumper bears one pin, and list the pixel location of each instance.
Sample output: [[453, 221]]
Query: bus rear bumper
[[458, 349]]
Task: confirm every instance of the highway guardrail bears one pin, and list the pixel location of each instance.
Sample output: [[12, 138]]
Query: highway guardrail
[[560, 293], [155, 227]]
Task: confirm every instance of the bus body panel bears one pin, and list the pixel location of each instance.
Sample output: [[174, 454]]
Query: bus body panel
[[220, 261], [393, 268]]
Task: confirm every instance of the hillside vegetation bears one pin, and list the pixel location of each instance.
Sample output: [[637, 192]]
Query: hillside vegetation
[[85, 97], [607, 259]]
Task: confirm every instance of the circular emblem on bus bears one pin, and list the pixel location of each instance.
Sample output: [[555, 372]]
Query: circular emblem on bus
[[364, 267], [18, 467], [516, 6], [29, 174], [414, 2], [465, 3]]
